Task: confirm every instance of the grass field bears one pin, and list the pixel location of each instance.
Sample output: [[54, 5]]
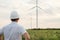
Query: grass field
[[44, 34]]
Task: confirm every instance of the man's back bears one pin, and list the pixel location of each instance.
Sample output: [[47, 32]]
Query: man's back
[[13, 31]]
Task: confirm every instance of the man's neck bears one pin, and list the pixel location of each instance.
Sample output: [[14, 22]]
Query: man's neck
[[15, 21]]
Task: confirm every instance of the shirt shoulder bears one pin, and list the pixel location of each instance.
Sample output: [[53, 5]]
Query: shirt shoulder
[[21, 29]]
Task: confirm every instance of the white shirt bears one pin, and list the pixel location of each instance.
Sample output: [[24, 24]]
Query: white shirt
[[13, 30]]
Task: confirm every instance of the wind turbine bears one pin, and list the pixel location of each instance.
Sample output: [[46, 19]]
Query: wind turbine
[[37, 11], [37, 7]]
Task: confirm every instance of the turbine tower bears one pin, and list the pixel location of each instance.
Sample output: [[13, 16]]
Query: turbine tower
[[37, 13]]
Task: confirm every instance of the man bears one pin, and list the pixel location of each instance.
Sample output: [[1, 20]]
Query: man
[[13, 31]]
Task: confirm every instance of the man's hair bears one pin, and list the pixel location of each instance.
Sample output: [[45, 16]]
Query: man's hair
[[14, 19]]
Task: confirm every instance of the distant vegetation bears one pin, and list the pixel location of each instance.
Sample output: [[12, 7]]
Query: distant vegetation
[[44, 34]]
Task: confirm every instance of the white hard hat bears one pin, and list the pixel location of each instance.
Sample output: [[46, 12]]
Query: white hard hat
[[14, 15]]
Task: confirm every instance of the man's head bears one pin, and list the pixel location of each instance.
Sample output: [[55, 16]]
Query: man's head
[[14, 16]]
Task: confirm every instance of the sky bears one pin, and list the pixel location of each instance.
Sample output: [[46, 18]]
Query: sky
[[48, 15]]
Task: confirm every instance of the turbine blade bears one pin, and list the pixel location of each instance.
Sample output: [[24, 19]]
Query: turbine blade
[[32, 8], [42, 9]]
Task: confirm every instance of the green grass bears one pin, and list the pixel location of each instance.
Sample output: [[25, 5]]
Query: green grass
[[44, 34]]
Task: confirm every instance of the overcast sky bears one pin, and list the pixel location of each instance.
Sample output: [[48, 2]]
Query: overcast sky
[[49, 14]]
